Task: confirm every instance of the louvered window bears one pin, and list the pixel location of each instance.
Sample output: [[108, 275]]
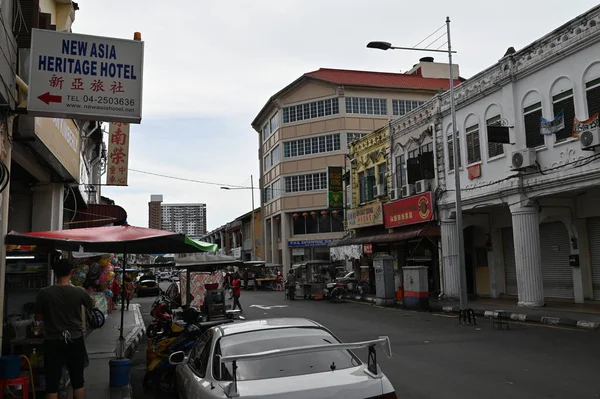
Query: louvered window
[[451, 154], [473, 148], [592, 94], [532, 116], [494, 149], [564, 102]]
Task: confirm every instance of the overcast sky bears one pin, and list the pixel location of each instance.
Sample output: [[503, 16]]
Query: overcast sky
[[210, 66]]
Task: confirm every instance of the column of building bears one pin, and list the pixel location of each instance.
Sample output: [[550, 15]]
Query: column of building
[[285, 233], [450, 261]]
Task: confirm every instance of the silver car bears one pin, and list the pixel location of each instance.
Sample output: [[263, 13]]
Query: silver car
[[279, 358]]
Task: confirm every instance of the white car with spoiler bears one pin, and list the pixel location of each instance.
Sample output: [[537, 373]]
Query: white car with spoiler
[[280, 358]]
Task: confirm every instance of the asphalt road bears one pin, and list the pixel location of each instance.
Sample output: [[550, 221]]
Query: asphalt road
[[435, 357]]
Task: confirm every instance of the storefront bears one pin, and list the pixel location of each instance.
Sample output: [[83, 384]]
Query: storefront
[[593, 228], [303, 250]]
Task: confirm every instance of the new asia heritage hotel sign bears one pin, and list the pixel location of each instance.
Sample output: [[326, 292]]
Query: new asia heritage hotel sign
[[411, 210], [364, 216], [85, 77]]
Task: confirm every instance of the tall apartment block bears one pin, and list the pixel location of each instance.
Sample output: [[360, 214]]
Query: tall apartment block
[[189, 219], [155, 212]]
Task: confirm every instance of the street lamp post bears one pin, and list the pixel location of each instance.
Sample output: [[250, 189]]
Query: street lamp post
[[458, 200], [252, 226]]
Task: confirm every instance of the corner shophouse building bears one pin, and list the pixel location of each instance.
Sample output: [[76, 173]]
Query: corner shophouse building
[[386, 218], [531, 227], [304, 129]]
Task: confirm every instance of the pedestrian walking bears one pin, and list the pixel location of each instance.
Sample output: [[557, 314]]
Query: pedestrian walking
[[59, 306], [291, 282], [127, 291], [237, 291], [116, 290]]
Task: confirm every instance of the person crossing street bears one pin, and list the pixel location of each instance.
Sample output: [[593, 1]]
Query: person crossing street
[[236, 285]]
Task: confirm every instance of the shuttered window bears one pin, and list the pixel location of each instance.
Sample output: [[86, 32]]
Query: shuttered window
[[451, 154], [532, 116], [494, 149], [473, 147], [400, 177], [592, 94], [564, 102]]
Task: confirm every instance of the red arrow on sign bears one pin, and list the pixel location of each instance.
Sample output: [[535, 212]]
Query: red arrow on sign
[[50, 98]]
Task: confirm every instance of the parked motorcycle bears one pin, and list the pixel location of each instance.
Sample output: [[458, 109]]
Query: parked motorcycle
[[162, 322], [335, 292], [160, 372]]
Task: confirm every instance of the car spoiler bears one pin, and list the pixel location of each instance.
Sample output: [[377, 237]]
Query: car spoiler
[[372, 368]]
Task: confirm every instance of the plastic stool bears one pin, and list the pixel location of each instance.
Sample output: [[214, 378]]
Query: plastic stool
[[23, 381]]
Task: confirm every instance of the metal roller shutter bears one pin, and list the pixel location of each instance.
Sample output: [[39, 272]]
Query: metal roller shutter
[[556, 271], [510, 265], [593, 225]]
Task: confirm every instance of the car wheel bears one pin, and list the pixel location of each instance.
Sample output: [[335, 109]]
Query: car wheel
[[148, 383], [166, 382]]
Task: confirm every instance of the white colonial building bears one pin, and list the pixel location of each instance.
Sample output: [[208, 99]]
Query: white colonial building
[[531, 207]]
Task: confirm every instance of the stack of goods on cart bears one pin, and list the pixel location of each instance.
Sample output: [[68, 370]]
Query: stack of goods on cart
[[96, 273]]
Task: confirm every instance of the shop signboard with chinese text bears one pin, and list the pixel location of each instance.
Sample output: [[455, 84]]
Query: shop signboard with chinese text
[[406, 211], [364, 216], [368, 248], [85, 77], [309, 243], [118, 154], [335, 187]]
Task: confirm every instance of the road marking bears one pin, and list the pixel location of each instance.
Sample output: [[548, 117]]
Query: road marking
[[264, 307]]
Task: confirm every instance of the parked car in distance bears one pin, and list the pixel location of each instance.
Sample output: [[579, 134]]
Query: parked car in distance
[[148, 288], [288, 358], [175, 277]]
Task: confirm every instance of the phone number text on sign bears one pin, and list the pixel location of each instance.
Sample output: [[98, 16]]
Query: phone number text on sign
[[103, 100]]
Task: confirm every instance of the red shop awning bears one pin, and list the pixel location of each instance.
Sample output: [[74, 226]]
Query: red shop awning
[[98, 215], [405, 234]]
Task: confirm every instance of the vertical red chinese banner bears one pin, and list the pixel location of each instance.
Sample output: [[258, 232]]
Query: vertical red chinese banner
[[118, 154]]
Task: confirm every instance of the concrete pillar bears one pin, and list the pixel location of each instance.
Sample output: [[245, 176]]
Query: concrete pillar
[[495, 262], [223, 244], [450, 261], [528, 255], [235, 243], [274, 243], [47, 209], [285, 233]]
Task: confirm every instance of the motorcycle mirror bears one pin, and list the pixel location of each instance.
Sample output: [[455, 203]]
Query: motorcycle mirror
[[177, 358]]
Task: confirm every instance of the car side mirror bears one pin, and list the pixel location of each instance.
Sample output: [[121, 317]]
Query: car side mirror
[[177, 358]]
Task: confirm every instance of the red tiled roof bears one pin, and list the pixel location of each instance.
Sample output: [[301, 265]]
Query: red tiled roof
[[379, 79]]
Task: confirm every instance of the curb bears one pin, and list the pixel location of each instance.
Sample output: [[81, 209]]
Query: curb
[[521, 317], [524, 317], [135, 336]]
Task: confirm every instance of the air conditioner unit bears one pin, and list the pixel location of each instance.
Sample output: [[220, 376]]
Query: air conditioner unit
[[378, 190], [590, 138], [421, 186], [523, 159], [408, 190], [394, 194]]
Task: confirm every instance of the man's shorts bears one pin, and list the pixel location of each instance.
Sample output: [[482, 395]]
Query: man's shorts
[[58, 354]]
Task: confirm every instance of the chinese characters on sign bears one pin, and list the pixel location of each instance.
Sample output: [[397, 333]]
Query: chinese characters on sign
[[85, 77], [367, 215], [411, 210], [118, 154], [367, 248], [335, 192]]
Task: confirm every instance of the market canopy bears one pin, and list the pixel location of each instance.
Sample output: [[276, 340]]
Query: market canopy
[[111, 239], [207, 259]]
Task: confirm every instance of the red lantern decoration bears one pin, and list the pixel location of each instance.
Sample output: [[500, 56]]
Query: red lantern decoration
[[295, 215], [305, 214], [335, 212], [324, 213], [313, 214], [278, 218]]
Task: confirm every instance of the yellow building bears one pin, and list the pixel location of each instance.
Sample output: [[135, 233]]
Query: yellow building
[[304, 130]]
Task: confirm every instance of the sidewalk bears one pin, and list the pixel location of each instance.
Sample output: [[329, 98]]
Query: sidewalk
[[101, 346], [586, 316]]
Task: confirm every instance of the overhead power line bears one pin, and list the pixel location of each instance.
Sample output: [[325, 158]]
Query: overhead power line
[[188, 180]]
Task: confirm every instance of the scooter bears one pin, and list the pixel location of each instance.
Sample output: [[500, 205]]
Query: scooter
[[160, 372], [163, 319]]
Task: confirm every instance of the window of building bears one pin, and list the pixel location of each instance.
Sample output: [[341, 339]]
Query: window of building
[[451, 152], [272, 158], [274, 123], [532, 116], [308, 182], [312, 145], [401, 107], [272, 191], [350, 137], [400, 174], [316, 222], [427, 147], [413, 153], [564, 102], [592, 95], [266, 131], [367, 182], [312, 110], [473, 147], [382, 170], [494, 149], [366, 106]]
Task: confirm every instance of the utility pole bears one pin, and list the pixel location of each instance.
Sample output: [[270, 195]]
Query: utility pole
[[253, 252]]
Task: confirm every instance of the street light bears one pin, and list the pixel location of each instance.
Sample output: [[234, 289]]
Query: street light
[[252, 251], [459, 222]]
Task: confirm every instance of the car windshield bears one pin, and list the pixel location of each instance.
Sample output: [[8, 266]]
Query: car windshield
[[282, 366], [149, 283]]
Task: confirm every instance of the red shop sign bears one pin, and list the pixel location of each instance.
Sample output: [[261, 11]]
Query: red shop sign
[[411, 210], [368, 248]]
